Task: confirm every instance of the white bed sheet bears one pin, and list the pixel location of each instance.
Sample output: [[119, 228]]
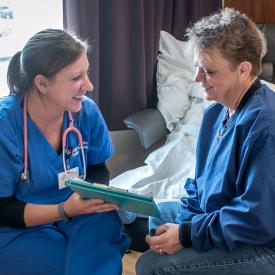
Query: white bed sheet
[[167, 168]]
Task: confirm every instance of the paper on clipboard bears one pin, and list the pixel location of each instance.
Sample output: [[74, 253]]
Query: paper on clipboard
[[126, 200]]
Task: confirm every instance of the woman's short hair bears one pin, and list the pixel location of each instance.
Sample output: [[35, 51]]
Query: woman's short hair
[[233, 34], [46, 53]]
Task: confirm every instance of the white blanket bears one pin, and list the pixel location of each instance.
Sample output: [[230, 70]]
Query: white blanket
[[166, 169]]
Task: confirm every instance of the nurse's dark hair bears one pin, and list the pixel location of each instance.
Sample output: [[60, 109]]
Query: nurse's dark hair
[[233, 34], [47, 52]]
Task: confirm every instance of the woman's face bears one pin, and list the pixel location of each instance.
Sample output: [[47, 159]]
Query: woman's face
[[222, 82], [66, 89]]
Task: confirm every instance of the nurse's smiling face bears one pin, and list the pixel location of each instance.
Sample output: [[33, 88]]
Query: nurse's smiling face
[[65, 90], [222, 82]]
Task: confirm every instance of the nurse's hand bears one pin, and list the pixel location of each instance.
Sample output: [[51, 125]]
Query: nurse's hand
[[75, 206]]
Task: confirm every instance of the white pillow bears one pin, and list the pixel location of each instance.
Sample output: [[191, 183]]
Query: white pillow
[[175, 73], [173, 101], [175, 56]]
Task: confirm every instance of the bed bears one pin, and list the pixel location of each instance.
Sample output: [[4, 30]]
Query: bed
[[177, 116]]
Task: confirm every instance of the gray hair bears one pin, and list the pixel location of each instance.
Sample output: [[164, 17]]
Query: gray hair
[[233, 34]]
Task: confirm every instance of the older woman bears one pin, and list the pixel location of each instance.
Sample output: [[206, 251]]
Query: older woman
[[227, 224]]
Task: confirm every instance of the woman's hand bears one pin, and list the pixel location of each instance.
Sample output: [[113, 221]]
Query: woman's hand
[[166, 239], [75, 206]]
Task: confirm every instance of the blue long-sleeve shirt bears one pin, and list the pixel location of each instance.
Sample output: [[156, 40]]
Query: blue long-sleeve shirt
[[232, 198]]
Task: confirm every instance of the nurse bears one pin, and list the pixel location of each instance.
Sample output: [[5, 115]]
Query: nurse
[[45, 228], [227, 223]]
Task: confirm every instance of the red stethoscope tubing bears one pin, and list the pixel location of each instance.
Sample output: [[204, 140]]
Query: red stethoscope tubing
[[71, 128], [25, 170]]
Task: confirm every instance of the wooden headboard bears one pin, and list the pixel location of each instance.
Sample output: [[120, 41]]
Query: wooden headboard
[[262, 12]]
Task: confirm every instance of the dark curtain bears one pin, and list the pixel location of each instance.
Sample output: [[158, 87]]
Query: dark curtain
[[124, 35]]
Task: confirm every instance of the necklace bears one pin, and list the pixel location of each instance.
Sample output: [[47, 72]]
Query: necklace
[[224, 125], [253, 89]]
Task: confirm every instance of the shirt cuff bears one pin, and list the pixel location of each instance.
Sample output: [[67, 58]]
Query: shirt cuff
[[185, 234], [12, 212]]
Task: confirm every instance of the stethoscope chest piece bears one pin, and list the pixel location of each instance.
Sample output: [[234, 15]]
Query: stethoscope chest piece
[[25, 176]]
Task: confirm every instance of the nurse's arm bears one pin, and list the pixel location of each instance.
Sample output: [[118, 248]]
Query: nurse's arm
[[35, 214]]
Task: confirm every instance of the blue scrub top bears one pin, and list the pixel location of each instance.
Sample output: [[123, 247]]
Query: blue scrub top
[[44, 162], [232, 198]]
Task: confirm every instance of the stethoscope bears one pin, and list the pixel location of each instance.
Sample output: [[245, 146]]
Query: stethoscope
[[25, 175]]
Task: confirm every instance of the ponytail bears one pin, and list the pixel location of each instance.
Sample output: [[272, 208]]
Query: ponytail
[[15, 77]]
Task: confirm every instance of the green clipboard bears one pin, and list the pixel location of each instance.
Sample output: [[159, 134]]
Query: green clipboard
[[128, 201]]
